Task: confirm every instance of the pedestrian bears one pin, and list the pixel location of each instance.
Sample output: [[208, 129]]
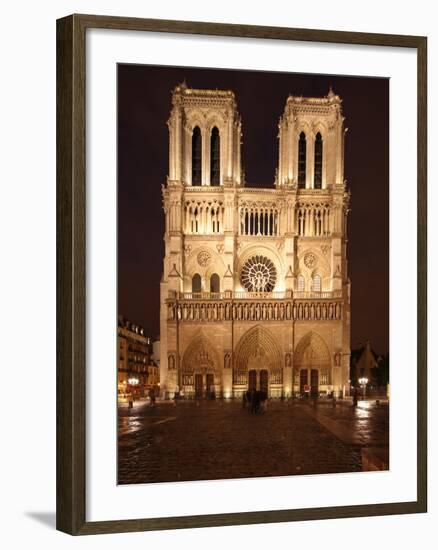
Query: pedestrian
[[264, 401], [355, 397], [152, 397], [253, 402], [176, 395], [244, 400], [258, 401]]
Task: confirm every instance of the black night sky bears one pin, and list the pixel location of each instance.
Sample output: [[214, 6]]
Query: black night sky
[[144, 103]]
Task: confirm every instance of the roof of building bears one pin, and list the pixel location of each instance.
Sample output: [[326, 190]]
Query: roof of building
[[365, 357]]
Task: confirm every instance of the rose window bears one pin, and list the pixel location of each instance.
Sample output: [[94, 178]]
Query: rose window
[[258, 274]]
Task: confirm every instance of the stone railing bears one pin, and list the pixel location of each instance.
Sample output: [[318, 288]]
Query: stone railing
[[242, 295]]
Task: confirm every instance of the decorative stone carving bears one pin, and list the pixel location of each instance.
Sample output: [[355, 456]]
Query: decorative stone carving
[[325, 248], [204, 258], [310, 260], [171, 362], [255, 310]]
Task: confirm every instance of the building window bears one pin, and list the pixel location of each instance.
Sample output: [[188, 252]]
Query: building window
[[196, 156], [215, 161], [316, 283], [302, 161], [214, 283], [196, 283], [317, 181], [300, 283]]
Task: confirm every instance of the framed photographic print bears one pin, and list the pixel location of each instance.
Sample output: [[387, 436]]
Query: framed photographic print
[[241, 288]]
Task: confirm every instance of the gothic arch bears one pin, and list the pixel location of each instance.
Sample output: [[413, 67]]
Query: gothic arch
[[206, 261], [196, 155], [195, 118], [200, 356], [319, 264], [312, 352], [319, 127], [214, 118], [303, 126], [257, 349]]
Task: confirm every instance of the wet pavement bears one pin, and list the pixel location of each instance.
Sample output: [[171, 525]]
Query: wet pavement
[[221, 440]]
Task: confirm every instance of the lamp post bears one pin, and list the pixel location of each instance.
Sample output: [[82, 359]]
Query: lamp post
[[132, 382], [363, 382]]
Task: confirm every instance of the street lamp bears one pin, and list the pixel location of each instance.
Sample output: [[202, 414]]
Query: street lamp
[[363, 382]]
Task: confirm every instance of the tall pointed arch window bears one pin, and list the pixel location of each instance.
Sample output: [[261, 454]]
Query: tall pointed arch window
[[302, 161], [316, 283], [196, 156], [196, 283], [215, 283], [215, 160], [300, 283], [317, 180]]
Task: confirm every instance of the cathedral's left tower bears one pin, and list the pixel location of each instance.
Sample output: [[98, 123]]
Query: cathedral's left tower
[[199, 204]]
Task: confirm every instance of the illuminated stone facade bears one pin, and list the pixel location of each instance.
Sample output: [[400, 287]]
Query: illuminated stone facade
[[255, 290]]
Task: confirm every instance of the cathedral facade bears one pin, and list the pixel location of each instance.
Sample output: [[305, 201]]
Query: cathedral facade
[[255, 290]]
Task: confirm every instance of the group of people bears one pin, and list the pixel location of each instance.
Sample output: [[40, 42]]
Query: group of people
[[255, 400]]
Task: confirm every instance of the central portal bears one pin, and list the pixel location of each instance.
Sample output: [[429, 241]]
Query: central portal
[[257, 362]]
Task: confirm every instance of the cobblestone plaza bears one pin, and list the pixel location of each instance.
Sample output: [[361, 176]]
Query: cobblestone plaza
[[221, 440]]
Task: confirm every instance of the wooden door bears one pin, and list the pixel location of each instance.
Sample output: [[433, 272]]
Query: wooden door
[[303, 380], [210, 384], [198, 386], [264, 378], [314, 380]]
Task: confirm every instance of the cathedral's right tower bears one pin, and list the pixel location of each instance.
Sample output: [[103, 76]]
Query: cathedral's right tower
[[311, 172]]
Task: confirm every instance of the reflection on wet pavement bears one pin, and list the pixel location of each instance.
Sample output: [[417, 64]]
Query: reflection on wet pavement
[[220, 440]]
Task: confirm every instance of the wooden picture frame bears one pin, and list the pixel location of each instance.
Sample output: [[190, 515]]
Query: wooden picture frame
[[71, 271]]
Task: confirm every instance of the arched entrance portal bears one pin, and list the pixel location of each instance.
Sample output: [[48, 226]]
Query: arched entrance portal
[[200, 375], [258, 363], [312, 365]]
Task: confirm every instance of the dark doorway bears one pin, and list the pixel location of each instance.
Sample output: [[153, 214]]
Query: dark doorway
[[198, 386], [314, 375], [264, 377], [252, 380], [210, 385], [303, 380]]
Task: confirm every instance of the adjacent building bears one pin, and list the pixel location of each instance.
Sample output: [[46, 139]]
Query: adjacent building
[[367, 363], [255, 290], [134, 360]]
